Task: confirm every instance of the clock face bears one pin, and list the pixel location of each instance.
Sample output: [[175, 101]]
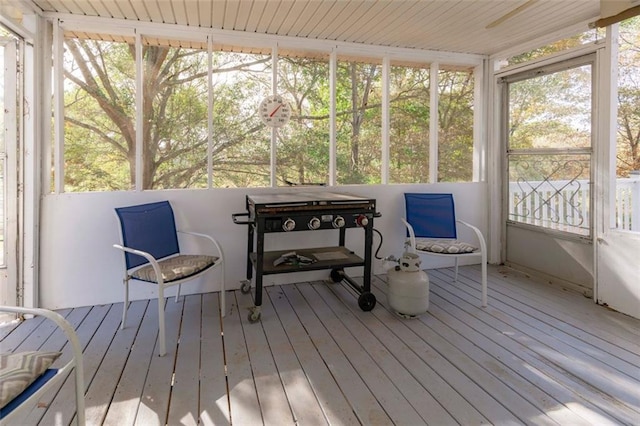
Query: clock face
[[274, 111]]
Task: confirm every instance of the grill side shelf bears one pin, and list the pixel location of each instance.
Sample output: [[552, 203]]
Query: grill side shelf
[[325, 258]]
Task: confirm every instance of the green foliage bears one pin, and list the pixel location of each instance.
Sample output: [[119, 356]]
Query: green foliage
[[628, 135], [455, 134], [409, 100], [558, 46]]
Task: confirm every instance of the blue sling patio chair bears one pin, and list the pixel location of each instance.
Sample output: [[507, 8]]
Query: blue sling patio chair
[[149, 241], [432, 230]]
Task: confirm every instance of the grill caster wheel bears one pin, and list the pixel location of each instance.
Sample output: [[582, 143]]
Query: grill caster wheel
[[367, 301], [245, 288], [254, 315], [337, 275]]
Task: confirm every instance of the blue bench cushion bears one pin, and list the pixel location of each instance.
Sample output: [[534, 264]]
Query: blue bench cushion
[[19, 370], [26, 394]]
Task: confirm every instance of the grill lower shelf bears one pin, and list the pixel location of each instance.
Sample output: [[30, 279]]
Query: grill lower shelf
[[326, 258]]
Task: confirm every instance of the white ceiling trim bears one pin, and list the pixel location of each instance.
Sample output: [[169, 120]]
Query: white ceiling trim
[[91, 24]]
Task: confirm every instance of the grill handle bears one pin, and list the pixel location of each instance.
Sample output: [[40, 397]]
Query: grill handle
[[235, 217]]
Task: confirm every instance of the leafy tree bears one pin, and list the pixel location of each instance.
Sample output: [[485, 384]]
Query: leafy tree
[[455, 119], [100, 117], [303, 145], [358, 112], [628, 141], [409, 99]]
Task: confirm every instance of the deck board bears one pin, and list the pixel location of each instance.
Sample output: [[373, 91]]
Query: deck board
[[156, 394], [214, 404], [305, 407], [274, 405], [103, 386], [334, 403], [128, 393], [536, 355], [243, 395], [367, 408], [374, 337], [184, 404], [364, 361]]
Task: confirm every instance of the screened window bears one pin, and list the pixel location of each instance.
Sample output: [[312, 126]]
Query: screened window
[[241, 143], [358, 122], [303, 144], [99, 114], [455, 125], [200, 128], [409, 98], [175, 130]]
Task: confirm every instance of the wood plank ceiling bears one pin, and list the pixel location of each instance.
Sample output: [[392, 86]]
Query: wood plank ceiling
[[466, 26]]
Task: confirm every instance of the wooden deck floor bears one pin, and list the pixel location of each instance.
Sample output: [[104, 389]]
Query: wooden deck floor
[[536, 355]]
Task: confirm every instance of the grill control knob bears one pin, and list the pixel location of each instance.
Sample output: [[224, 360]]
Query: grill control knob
[[314, 223], [362, 220], [338, 222], [289, 225]]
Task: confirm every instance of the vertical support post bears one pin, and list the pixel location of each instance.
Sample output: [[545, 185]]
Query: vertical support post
[[58, 113], [333, 70], [139, 184], [386, 69], [210, 112], [433, 123], [274, 131]]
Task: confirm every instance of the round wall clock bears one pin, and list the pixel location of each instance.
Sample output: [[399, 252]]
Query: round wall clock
[[274, 111]]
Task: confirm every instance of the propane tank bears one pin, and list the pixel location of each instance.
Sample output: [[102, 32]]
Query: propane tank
[[408, 292]]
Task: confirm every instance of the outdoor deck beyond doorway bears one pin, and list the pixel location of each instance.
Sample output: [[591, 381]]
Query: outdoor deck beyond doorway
[[535, 355]]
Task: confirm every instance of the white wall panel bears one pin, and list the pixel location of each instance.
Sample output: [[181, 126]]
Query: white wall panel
[[80, 267]]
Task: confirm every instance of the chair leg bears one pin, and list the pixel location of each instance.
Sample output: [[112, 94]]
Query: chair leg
[[125, 307], [178, 292], [222, 292], [455, 277], [484, 280], [161, 337]]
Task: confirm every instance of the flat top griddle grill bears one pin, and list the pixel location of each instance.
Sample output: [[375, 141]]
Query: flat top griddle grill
[[309, 198], [306, 201], [307, 211]]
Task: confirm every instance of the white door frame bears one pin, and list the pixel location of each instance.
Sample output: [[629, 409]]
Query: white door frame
[[616, 251], [9, 270], [562, 258]]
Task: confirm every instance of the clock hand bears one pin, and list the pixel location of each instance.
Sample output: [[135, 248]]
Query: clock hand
[[275, 110]]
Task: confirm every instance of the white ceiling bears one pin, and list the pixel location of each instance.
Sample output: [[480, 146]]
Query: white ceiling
[[469, 26]]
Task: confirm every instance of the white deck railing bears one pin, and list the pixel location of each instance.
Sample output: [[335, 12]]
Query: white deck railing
[[564, 205]]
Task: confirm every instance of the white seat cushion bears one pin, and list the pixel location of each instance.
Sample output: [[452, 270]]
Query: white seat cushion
[[176, 268], [444, 246]]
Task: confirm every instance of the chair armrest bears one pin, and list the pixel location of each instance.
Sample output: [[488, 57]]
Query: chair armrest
[[481, 240], [412, 236], [152, 260], [76, 348], [208, 237]]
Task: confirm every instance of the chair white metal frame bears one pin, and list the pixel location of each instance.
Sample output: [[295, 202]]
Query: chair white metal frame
[[432, 230], [30, 395], [149, 242]]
